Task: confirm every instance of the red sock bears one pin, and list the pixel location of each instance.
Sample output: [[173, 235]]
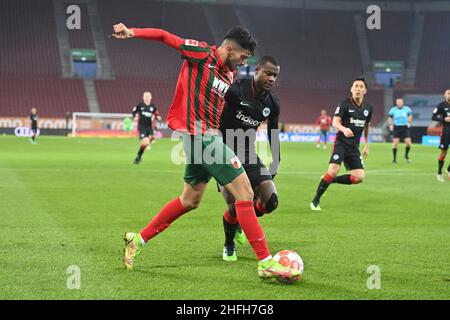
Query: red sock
[[229, 218], [328, 178], [252, 229], [168, 214], [441, 157], [352, 179]]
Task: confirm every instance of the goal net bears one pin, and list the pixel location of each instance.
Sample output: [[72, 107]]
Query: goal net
[[90, 124]]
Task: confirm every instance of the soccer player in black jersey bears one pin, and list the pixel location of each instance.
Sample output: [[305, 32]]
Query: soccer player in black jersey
[[351, 118], [249, 103], [34, 126], [442, 114], [147, 113]]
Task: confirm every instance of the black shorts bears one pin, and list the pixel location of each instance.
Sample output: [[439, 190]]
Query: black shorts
[[145, 133], [256, 173], [445, 140], [401, 132], [348, 154]]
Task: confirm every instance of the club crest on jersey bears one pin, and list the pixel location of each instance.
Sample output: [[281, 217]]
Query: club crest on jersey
[[366, 113], [190, 42], [266, 111], [236, 162]]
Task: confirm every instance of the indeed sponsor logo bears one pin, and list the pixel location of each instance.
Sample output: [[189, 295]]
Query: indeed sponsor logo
[[358, 122], [247, 119]]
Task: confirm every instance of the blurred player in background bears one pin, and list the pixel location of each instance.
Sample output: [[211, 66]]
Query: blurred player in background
[[248, 103], [34, 125], [205, 77], [442, 114], [399, 121], [147, 114], [324, 121], [351, 118]]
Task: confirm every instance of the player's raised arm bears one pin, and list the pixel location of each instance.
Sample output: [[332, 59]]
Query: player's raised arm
[[366, 138], [190, 49]]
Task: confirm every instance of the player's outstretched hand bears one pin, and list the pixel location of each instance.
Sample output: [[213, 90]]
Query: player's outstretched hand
[[122, 32], [348, 132]]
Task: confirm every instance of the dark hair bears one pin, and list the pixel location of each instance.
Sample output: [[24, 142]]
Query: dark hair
[[243, 37], [361, 78], [264, 59]]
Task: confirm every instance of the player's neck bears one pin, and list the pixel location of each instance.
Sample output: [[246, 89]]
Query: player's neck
[[358, 101], [258, 92]]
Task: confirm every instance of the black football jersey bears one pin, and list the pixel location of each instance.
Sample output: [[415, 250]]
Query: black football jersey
[[440, 113], [353, 117], [146, 113], [34, 119], [246, 111]]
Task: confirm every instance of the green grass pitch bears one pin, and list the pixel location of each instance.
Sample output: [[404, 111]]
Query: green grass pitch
[[67, 202]]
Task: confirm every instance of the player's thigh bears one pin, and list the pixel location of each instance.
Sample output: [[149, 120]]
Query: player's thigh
[[241, 188], [192, 194]]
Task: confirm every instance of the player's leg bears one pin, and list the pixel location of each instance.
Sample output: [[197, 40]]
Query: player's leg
[[230, 224], [354, 163], [189, 200], [395, 143], [408, 144], [325, 181], [442, 156], [325, 138], [318, 141], [266, 197], [145, 141]]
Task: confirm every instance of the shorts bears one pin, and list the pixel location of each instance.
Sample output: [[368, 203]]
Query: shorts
[[207, 156], [445, 140], [348, 154], [145, 133], [401, 132], [257, 173], [324, 132]]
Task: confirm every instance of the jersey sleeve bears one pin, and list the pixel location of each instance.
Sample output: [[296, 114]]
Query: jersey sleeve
[[437, 114], [369, 117], [190, 49], [391, 113], [409, 111], [341, 110], [134, 111]]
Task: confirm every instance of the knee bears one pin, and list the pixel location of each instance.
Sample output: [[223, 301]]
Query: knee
[[272, 203], [359, 178], [191, 203]]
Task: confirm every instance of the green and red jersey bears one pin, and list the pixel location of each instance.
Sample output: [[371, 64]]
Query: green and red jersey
[[202, 83]]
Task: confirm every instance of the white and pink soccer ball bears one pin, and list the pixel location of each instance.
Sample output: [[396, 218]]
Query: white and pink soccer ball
[[292, 259]]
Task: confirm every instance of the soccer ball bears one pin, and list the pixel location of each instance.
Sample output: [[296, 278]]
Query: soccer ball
[[289, 258]]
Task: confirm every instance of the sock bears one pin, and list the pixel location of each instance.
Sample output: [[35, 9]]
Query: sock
[[229, 227], [407, 152], [259, 208], [252, 229], [441, 164], [448, 168], [33, 137], [141, 150], [394, 151], [345, 179], [168, 214], [323, 185]]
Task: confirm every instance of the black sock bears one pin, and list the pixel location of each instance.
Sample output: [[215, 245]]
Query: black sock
[[441, 164], [230, 232], [394, 151], [33, 138], [448, 168], [141, 151], [323, 185], [344, 179], [407, 152]]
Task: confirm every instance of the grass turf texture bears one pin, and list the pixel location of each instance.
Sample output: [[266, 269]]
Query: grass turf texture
[[68, 201]]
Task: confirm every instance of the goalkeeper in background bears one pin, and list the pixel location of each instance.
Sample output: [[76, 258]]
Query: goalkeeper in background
[[147, 113]]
